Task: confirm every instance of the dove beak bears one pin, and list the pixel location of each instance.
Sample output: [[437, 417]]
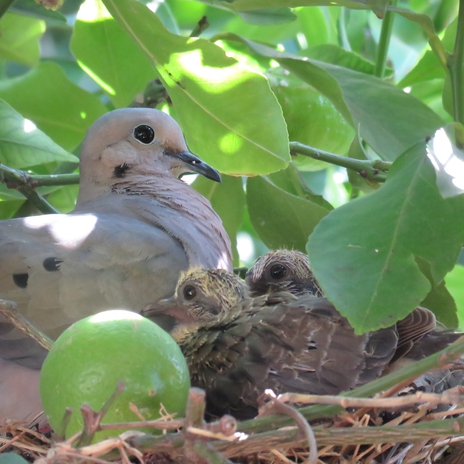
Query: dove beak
[[168, 307], [196, 165]]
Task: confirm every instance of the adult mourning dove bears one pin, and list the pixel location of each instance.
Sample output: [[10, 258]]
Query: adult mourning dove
[[136, 225], [237, 346]]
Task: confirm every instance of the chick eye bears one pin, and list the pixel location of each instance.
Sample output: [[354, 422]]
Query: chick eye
[[278, 271], [189, 292], [144, 134]]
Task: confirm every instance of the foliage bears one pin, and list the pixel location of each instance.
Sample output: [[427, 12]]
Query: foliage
[[367, 81]]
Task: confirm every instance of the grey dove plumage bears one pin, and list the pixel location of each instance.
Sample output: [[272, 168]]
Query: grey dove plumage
[[136, 225]]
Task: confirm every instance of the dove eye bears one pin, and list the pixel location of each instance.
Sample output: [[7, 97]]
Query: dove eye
[[144, 134], [189, 292], [278, 271]]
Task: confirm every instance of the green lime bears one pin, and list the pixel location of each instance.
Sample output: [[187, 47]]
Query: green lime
[[89, 359]]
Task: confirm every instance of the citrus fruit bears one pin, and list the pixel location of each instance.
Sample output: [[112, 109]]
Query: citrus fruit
[[88, 360]]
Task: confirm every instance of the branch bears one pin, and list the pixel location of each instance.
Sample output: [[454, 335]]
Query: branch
[[9, 310], [370, 170], [384, 42], [26, 184]]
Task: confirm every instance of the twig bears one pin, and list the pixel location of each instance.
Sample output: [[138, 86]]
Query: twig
[[194, 415], [370, 170], [201, 27], [92, 419], [26, 184], [384, 42], [291, 438], [156, 424], [276, 406], [9, 309], [384, 403], [211, 455]]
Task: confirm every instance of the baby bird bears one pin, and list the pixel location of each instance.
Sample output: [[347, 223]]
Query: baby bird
[[417, 334], [282, 270], [237, 346]]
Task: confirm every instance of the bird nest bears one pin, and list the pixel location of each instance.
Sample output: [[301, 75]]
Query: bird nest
[[399, 424]]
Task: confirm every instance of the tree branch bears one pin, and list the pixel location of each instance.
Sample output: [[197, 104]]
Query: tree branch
[[370, 170], [384, 42]]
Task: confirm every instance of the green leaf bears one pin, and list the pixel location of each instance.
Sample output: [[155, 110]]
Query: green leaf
[[364, 253], [58, 107], [107, 54], [333, 54], [365, 101], [311, 118], [454, 282], [283, 219], [426, 69], [228, 200], [11, 458], [268, 16], [439, 299], [19, 38], [23, 145], [228, 113]]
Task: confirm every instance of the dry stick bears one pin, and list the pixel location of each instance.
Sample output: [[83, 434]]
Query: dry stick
[[92, 419], [275, 405], [384, 403], [9, 309], [291, 438], [194, 415]]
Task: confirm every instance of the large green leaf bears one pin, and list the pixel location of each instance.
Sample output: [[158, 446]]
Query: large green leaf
[[57, 106], [19, 38], [228, 200], [107, 54], [311, 118], [390, 120], [364, 253], [23, 145], [229, 114], [282, 213]]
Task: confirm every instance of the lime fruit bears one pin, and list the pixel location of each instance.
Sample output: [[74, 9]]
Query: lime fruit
[[89, 359]]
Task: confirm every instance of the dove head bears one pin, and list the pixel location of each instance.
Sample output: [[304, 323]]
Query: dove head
[[202, 295], [135, 144], [282, 270]]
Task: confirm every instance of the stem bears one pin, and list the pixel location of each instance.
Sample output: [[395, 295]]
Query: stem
[[38, 201], [455, 62], [371, 170], [201, 26], [26, 184], [9, 310], [384, 42]]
